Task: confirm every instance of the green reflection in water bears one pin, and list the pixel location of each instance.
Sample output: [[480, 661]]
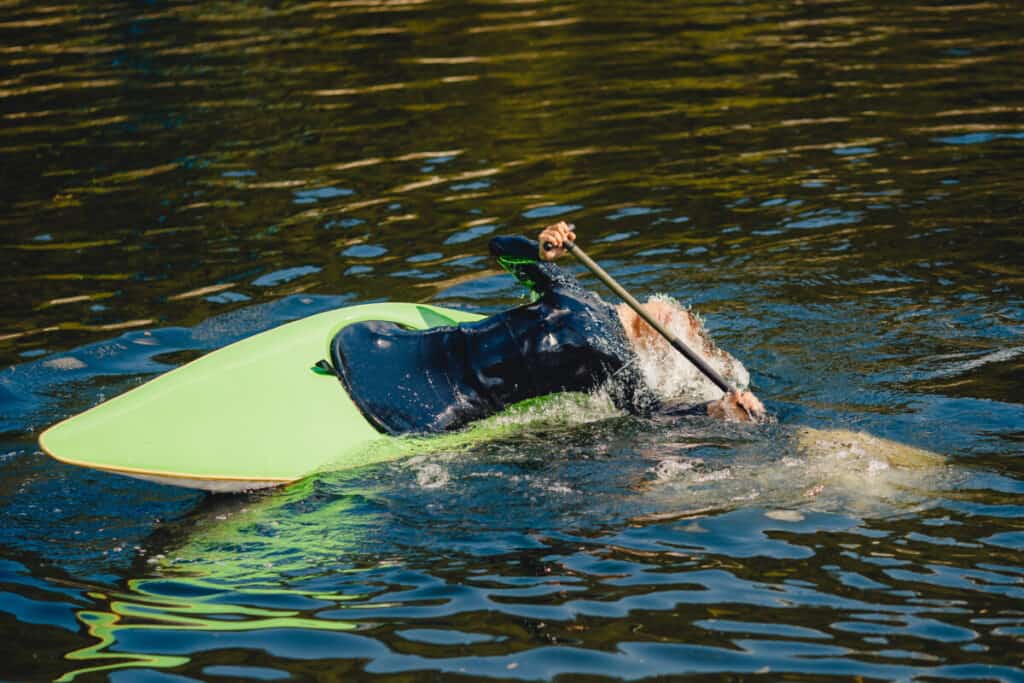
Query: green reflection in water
[[103, 626], [148, 608], [334, 514], [227, 541]]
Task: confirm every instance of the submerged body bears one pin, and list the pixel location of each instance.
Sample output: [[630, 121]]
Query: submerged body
[[425, 381], [566, 339]]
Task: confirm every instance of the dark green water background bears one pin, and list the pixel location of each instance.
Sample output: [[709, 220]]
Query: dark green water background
[[835, 186]]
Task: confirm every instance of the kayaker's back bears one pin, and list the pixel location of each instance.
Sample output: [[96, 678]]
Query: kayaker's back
[[424, 381]]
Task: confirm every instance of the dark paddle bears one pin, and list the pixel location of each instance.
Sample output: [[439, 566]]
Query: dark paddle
[[672, 339]]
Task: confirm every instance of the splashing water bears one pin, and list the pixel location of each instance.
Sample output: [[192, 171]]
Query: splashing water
[[672, 376], [785, 467]]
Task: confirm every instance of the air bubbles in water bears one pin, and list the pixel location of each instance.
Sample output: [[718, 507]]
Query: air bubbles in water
[[672, 469], [431, 475], [64, 363]]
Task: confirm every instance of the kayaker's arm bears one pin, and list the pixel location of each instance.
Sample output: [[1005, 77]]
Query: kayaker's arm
[[737, 406], [519, 256], [531, 265]]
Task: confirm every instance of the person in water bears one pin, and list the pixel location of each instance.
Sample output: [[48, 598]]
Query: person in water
[[566, 339]]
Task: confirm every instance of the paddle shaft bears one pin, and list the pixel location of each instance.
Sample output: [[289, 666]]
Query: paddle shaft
[[672, 339]]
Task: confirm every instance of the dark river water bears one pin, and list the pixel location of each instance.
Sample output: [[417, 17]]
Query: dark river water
[[835, 186]]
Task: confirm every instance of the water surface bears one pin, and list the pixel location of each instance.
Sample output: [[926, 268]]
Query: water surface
[[834, 186]]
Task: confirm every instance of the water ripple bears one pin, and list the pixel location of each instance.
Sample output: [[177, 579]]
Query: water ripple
[[834, 188]]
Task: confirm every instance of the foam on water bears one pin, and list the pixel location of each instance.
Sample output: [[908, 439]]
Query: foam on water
[[811, 468], [430, 475], [556, 410]]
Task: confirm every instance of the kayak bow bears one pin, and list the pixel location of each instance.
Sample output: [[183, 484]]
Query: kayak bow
[[251, 415]]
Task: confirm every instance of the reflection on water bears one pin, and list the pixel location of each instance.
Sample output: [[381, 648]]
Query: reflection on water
[[157, 612], [409, 564], [833, 186]]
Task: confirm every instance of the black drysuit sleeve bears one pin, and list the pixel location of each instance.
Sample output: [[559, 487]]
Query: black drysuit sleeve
[[520, 256]]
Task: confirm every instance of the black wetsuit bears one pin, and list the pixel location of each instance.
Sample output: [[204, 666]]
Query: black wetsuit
[[422, 381]]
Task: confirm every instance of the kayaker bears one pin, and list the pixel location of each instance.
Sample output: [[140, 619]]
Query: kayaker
[[566, 339]]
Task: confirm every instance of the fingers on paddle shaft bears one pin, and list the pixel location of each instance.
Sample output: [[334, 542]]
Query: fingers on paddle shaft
[[753, 409], [555, 239]]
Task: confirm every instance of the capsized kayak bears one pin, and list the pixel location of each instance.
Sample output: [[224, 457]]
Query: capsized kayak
[[251, 415]]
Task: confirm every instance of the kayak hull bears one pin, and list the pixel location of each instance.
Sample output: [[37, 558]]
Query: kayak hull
[[251, 415]]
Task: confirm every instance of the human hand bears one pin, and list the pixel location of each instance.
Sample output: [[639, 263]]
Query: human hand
[[556, 234], [738, 406]]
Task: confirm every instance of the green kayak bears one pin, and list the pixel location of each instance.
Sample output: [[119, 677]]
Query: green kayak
[[250, 415]]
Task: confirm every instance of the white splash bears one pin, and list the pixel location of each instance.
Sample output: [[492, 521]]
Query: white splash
[[673, 468], [64, 363], [784, 515], [557, 409], [432, 475], [674, 378]]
